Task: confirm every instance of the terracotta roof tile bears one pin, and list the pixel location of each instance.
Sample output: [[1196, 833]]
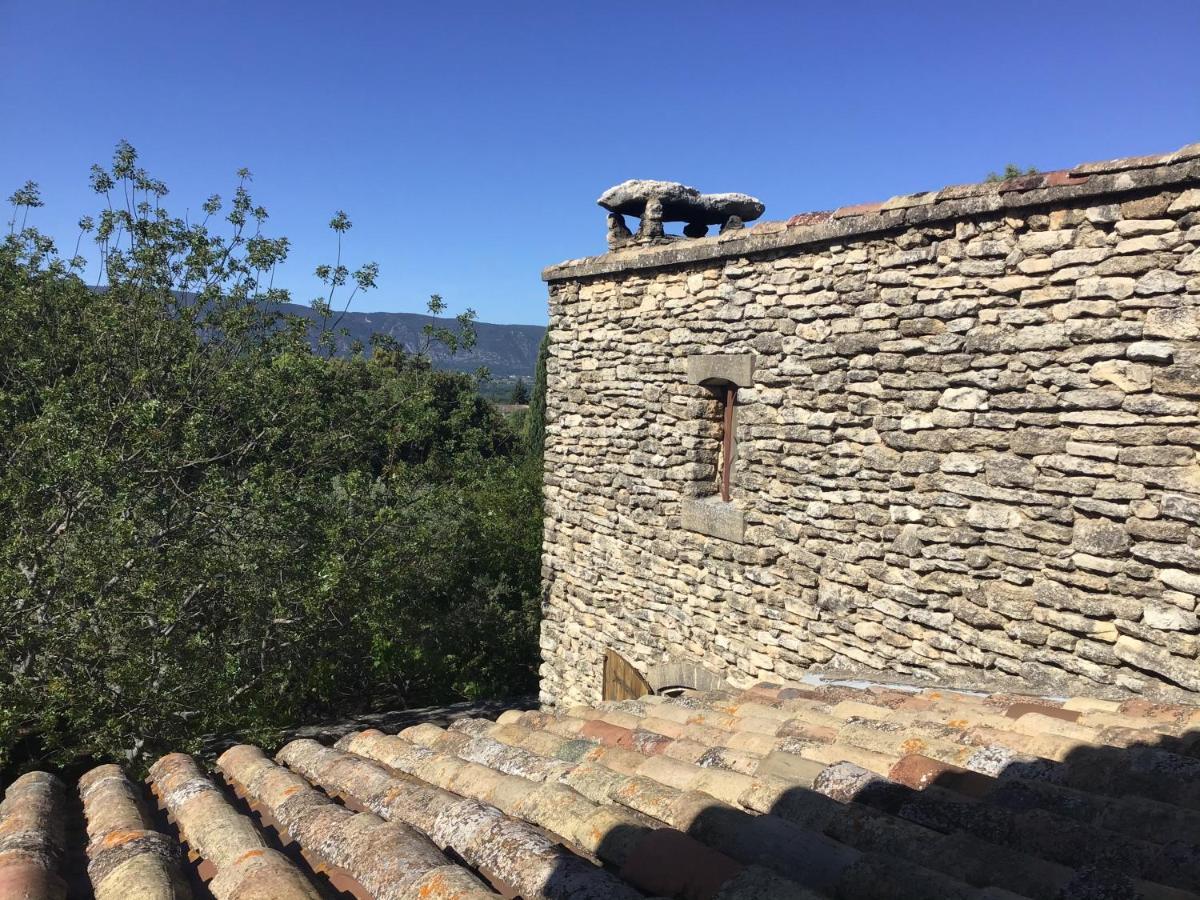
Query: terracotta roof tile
[[1063, 177], [1030, 182], [607, 734], [360, 850], [809, 791], [240, 860], [811, 218], [858, 209], [126, 854], [31, 838]]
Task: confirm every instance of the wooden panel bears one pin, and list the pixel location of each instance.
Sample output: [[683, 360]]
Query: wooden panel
[[621, 680]]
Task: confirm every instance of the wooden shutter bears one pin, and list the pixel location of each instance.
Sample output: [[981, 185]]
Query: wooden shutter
[[621, 680]]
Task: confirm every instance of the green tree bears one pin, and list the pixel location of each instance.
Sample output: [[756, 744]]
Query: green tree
[[535, 424], [520, 393], [206, 525]]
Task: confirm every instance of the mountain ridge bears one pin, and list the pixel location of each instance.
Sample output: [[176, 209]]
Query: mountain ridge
[[508, 351]]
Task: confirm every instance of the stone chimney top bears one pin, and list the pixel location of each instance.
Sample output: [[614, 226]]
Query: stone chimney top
[[655, 202]]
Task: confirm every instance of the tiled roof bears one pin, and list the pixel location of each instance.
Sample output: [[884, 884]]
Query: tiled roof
[[816, 791]]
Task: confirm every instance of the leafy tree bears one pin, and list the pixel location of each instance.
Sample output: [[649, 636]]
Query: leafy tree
[[535, 424], [206, 525], [520, 393]]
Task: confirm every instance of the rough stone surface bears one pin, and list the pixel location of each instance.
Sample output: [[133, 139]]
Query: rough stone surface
[[968, 453], [680, 203], [709, 368], [713, 518]]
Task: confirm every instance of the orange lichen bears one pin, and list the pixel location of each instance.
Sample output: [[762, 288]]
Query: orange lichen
[[118, 838], [435, 887]]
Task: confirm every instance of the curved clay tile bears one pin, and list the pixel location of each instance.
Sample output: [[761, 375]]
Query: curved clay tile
[[636, 844], [683, 795], [31, 838], [954, 745], [127, 858], [512, 851], [786, 793], [487, 752], [245, 866], [390, 860], [794, 858]]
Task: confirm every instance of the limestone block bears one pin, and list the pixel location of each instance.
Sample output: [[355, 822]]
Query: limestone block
[[1175, 323], [715, 518], [718, 368]]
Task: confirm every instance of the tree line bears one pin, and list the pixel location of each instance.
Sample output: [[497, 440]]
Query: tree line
[[208, 522]]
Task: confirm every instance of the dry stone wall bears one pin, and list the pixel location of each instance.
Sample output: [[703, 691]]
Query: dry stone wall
[[969, 452]]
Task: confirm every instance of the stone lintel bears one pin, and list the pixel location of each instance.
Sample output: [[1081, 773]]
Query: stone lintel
[[721, 368], [714, 517], [684, 673], [946, 206]]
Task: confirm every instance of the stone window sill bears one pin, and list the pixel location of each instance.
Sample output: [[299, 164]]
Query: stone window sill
[[714, 517]]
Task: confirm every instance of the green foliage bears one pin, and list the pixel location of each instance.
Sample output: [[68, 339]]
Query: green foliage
[[535, 423], [498, 390], [520, 393], [206, 526], [1010, 171]]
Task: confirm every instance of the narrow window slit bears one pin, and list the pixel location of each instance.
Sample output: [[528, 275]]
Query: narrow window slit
[[729, 399]]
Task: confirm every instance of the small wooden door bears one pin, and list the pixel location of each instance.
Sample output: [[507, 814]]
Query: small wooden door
[[621, 680]]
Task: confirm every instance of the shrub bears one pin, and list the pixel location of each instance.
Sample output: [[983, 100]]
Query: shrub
[[1011, 170]]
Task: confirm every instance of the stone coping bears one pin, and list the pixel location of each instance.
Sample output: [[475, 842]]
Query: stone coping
[[1084, 182]]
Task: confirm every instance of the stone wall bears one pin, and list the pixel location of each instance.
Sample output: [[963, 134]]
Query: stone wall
[[968, 453]]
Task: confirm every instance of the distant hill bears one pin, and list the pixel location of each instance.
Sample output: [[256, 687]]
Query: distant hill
[[508, 351]]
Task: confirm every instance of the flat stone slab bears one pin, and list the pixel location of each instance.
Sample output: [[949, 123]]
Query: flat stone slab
[[680, 203], [715, 518], [709, 368]]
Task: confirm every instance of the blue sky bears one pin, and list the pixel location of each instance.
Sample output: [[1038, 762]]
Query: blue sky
[[468, 141]]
